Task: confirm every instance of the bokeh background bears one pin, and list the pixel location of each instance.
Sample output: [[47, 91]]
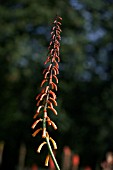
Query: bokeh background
[[85, 92]]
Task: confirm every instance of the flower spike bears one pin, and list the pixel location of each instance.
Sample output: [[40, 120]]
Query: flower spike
[[46, 100]]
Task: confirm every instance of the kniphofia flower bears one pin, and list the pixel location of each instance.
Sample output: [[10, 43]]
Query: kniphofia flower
[[46, 100]]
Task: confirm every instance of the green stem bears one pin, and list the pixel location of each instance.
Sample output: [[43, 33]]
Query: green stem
[[47, 138], [49, 147], [52, 154]]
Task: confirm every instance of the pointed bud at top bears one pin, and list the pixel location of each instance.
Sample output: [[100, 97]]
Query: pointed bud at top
[[60, 18]]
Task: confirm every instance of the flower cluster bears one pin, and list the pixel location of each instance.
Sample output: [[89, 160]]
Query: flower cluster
[[46, 100]]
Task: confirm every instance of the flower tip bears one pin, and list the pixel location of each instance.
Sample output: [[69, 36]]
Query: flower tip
[[47, 160]]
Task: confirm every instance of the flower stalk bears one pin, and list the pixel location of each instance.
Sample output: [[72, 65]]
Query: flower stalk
[[46, 100]]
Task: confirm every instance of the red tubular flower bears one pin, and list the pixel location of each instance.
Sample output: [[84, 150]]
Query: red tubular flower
[[46, 100]]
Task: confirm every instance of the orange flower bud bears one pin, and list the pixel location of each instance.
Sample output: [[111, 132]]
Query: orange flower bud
[[49, 67], [53, 28], [52, 32], [55, 78], [53, 124], [46, 74], [53, 100], [53, 37], [57, 32], [47, 160], [35, 123], [36, 132], [46, 89], [38, 96], [44, 71], [51, 51], [48, 59], [37, 113], [48, 121], [55, 21], [57, 58], [53, 94], [38, 110], [43, 81], [54, 143], [51, 42], [38, 103], [54, 86], [56, 68], [60, 18], [54, 111], [42, 96], [59, 23], [40, 147], [51, 105], [55, 72]]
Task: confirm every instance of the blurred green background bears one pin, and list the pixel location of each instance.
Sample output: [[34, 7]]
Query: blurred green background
[[85, 95]]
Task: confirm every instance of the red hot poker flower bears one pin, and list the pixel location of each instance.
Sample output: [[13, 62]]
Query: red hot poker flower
[[46, 100]]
